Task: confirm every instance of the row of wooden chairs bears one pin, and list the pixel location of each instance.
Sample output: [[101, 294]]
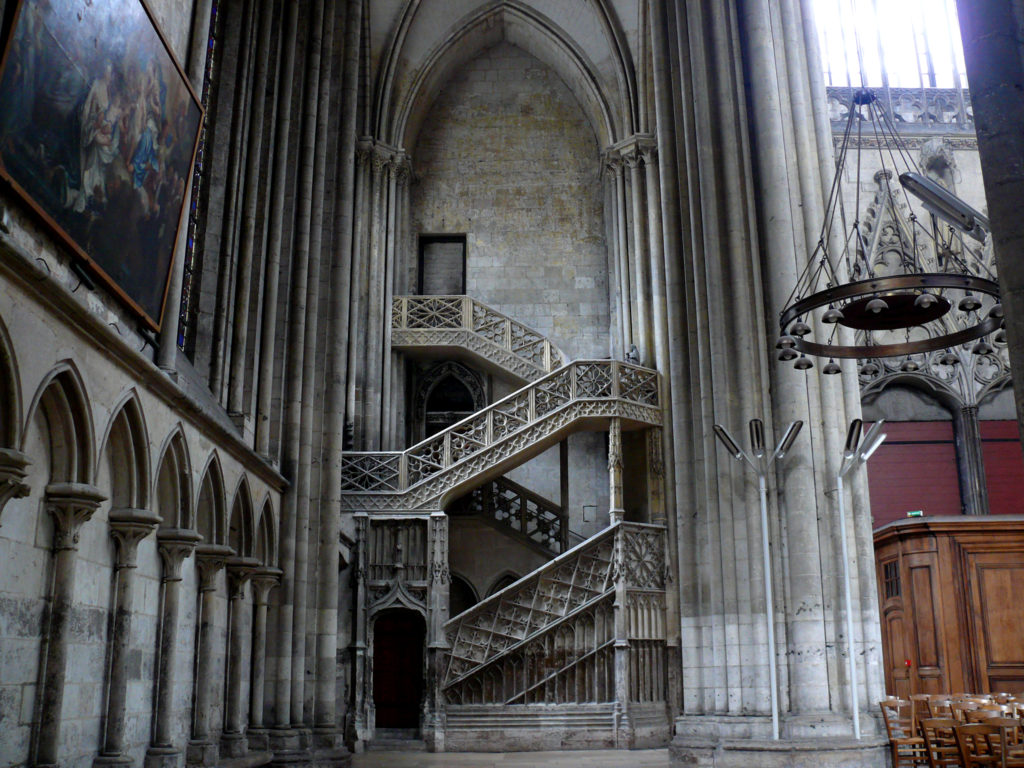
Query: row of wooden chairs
[[963, 731]]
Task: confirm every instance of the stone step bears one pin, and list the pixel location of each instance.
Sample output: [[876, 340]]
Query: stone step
[[397, 740]]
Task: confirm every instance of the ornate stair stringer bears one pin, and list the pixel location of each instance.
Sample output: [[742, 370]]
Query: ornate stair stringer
[[583, 394], [520, 513], [461, 323], [585, 632]]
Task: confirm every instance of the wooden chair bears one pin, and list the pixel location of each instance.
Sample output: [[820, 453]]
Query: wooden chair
[[983, 713], [907, 747], [961, 708], [940, 742], [940, 707], [989, 744]]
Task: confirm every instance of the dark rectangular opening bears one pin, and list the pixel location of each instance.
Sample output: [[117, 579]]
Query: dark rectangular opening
[[442, 265]]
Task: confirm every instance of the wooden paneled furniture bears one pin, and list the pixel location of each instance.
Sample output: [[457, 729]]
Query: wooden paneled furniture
[[949, 593], [908, 748]]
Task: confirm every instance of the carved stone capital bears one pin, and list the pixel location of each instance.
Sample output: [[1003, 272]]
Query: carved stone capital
[[174, 545], [13, 470], [403, 171], [71, 505], [240, 570], [264, 579], [612, 164], [649, 152], [128, 527], [632, 158], [210, 559]]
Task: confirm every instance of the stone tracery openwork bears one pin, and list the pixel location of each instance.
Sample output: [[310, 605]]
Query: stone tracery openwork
[[461, 321], [420, 476]]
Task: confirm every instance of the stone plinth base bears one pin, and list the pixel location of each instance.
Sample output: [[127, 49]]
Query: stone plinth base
[[233, 745], [796, 753], [111, 761], [162, 757], [202, 753]]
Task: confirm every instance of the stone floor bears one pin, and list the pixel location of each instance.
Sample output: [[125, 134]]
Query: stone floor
[[608, 758]]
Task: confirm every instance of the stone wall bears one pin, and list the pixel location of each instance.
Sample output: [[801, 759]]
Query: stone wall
[[508, 158]]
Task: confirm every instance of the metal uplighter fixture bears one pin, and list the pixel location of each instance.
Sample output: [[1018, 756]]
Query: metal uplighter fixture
[[855, 453], [760, 462]]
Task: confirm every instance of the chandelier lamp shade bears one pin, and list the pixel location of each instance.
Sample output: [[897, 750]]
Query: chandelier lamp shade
[[888, 283]]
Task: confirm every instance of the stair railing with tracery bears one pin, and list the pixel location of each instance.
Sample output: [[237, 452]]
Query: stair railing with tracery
[[586, 628], [519, 511], [464, 322], [495, 439]]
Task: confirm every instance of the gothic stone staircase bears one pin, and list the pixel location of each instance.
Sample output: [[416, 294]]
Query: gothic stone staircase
[[571, 655]]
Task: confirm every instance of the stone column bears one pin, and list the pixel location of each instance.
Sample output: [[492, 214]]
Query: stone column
[[127, 527], [13, 470], [623, 729], [994, 55], [634, 161], [210, 560], [71, 505], [437, 642], [233, 743], [174, 545], [622, 251], [655, 478], [617, 510], [359, 719], [263, 580], [973, 489]]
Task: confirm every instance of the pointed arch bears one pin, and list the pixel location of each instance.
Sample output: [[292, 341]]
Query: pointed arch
[[173, 491], [266, 534], [210, 505], [241, 527], [125, 443], [10, 393], [62, 401], [505, 20]]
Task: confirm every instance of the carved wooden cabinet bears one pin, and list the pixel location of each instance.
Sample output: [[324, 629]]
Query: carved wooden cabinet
[[951, 595]]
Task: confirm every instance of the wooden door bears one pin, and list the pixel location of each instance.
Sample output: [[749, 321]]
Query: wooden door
[[995, 585], [398, 637]]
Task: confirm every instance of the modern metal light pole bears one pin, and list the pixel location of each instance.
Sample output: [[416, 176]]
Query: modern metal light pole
[[760, 462], [855, 453]]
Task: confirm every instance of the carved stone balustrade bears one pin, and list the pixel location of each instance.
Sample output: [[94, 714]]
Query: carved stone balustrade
[[450, 323], [582, 394]]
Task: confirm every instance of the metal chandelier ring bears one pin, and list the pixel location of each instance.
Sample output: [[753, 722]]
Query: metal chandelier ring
[[883, 285]]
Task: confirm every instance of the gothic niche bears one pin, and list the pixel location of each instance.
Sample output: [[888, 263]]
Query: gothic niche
[[445, 394]]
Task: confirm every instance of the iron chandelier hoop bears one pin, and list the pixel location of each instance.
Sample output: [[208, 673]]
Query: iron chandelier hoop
[[887, 287]]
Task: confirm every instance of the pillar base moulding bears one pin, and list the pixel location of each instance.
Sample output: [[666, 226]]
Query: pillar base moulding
[[234, 745], [162, 757], [112, 760], [798, 753], [13, 470], [202, 752]]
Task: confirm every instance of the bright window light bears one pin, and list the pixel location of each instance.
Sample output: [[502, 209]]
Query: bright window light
[[903, 44]]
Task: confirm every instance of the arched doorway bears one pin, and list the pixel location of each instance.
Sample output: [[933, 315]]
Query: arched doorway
[[398, 637]]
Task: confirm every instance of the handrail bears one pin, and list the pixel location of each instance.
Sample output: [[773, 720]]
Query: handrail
[[629, 387], [415, 317], [524, 512]]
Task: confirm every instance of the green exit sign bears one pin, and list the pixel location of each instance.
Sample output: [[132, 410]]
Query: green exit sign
[[916, 513]]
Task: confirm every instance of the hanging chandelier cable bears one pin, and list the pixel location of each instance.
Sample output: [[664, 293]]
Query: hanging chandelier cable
[[909, 293]]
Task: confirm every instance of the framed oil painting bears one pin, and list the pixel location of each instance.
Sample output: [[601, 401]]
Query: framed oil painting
[[98, 132]]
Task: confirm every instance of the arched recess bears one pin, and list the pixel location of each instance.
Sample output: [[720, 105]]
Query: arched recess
[[461, 595], [266, 535], [125, 446], [397, 639], [241, 526], [61, 401], [453, 389], [485, 27], [504, 580], [173, 494], [10, 393], [210, 506]]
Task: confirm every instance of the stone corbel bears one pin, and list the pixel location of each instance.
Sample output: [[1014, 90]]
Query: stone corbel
[[71, 505], [128, 527], [13, 470], [210, 560], [264, 579], [174, 545], [240, 570]]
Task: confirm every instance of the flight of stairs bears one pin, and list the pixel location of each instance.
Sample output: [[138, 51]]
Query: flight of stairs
[[582, 637]]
